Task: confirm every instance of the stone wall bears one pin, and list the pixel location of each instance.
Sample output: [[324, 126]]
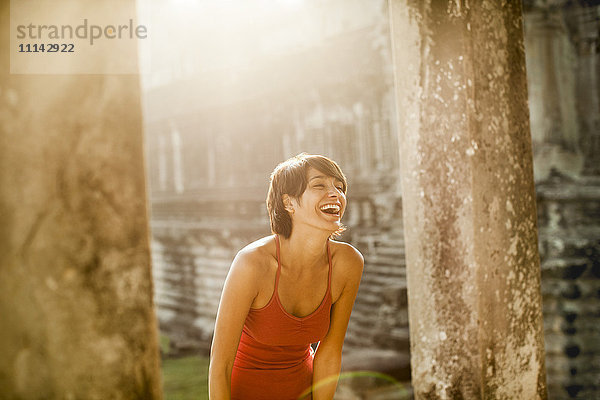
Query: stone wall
[[192, 250], [564, 96], [569, 239]]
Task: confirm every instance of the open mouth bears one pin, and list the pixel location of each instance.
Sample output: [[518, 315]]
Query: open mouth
[[332, 209]]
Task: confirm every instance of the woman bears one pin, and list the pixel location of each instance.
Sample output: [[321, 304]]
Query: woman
[[288, 290]]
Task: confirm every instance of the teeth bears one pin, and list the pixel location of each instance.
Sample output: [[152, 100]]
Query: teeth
[[330, 206]]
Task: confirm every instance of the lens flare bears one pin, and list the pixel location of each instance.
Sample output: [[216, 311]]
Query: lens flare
[[402, 390]]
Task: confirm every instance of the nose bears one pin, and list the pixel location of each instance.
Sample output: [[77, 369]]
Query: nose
[[333, 192]]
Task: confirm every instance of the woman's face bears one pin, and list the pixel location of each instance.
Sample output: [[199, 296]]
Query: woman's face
[[322, 204]]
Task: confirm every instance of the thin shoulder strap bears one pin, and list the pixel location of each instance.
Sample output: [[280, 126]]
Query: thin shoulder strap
[[278, 264], [330, 267]]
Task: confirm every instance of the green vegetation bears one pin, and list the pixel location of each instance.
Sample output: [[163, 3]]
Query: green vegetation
[[164, 343], [185, 378]]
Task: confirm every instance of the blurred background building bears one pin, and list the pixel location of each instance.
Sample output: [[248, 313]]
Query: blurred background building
[[232, 88]]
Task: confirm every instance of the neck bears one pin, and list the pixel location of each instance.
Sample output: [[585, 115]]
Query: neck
[[307, 249]]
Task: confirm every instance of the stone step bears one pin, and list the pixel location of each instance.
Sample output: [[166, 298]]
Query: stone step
[[380, 280], [384, 269], [390, 362], [566, 268], [394, 250], [387, 260]]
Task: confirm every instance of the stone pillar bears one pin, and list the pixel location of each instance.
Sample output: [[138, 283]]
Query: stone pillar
[[162, 162], [76, 312], [588, 85], [469, 206], [177, 158], [552, 87]]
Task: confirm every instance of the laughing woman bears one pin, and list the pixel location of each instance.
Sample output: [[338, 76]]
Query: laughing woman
[[287, 291]]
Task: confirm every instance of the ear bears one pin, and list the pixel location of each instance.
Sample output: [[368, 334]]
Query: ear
[[287, 203]]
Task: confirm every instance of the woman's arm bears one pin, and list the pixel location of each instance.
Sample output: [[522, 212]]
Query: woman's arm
[[238, 294], [328, 359]]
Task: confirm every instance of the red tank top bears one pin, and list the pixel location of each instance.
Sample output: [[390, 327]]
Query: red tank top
[[274, 358]]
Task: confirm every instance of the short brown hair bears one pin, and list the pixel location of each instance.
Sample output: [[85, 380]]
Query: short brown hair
[[290, 177]]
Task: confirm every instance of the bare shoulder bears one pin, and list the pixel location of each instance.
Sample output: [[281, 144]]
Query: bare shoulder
[[347, 259], [255, 259], [346, 254], [348, 265]]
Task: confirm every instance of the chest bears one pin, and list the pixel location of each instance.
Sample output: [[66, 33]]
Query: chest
[[302, 294]]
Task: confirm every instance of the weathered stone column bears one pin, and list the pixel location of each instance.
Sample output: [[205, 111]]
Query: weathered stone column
[[468, 200], [76, 313]]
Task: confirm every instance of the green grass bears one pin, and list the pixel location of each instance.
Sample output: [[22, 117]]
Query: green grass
[[164, 343], [185, 378]]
